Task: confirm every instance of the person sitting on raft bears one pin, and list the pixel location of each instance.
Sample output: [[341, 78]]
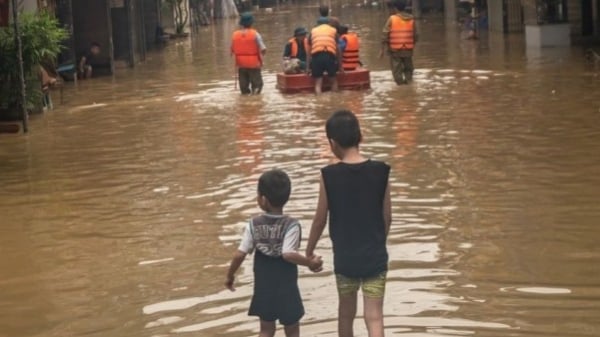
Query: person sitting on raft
[[350, 58], [294, 53]]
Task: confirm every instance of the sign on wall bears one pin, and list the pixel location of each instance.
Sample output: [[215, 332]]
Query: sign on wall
[[117, 3]]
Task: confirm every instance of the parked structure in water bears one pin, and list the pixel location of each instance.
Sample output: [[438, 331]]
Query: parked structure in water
[[545, 22]]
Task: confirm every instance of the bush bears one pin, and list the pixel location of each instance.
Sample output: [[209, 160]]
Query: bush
[[41, 39]]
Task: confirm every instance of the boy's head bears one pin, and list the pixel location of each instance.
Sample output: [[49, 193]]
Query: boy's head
[[324, 10], [343, 130], [342, 30], [399, 5], [274, 188]]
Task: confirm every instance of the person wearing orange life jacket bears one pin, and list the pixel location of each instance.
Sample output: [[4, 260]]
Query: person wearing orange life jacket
[[248, 48], [350, 58], [324, 56], [295, 52], [399, 38]]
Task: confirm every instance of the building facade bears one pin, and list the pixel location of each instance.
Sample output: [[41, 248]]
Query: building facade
[[125, 29], [545, 22]]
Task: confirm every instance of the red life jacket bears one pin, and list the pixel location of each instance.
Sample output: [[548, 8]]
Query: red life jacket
[[402, 33], [322, 38], [245, 48], [350, 59]]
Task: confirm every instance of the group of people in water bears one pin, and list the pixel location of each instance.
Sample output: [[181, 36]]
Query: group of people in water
[[328, 48]]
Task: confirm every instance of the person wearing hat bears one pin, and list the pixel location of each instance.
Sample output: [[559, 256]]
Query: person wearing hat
[[399, 38], [325, 18], [324, 55], [294, 53], [248, 48]]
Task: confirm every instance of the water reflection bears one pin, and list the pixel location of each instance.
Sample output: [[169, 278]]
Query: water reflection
[[122, 207]]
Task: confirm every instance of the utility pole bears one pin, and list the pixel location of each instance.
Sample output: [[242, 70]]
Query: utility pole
[[18, 43]]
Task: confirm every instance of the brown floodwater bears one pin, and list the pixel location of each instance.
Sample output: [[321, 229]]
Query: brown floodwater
[[121, 208]]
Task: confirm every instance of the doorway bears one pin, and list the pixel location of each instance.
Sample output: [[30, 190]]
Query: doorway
[[120, 30], [587, 17]]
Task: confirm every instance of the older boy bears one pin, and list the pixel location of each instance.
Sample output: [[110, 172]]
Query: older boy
[[355, 192]]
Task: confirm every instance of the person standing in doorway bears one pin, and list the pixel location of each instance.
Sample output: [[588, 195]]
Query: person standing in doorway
[[399, 38], [248, 48], [87, 60]]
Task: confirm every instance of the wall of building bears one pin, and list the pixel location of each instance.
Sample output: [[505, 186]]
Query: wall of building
[[574, 13], [90, 24]]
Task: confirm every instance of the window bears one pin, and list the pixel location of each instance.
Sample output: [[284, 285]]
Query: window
[[551, 11]]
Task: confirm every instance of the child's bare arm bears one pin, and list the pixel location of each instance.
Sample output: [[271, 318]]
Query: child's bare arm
[[387, 210], [236, 262], [319, 221]]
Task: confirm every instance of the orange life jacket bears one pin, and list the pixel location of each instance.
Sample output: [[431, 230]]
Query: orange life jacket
[[322, 38], [402, 33], [294, 44], [245, 48], [350, 60]]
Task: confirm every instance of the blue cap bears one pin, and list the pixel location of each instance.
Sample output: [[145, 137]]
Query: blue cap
[[246, 19]]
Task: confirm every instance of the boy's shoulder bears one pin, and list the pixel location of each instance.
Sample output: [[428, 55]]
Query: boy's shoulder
[[368, 163], [266, 219]]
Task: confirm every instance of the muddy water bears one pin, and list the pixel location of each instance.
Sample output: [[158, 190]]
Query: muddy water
[[121, 208]]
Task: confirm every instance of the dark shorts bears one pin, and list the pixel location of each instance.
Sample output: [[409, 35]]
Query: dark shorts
[[322, 62]]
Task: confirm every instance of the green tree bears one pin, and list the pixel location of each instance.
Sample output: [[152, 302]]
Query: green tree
[[41, 39]]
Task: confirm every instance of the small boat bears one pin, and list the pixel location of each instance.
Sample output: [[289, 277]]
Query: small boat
[[358, 79]]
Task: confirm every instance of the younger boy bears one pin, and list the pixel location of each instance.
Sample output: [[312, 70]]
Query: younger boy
[[276, 238], [355, 192]]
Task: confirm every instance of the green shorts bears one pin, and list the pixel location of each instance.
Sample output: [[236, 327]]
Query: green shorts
[[373, 287]]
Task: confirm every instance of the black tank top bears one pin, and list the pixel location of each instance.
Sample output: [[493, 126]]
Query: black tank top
[[355, 194]]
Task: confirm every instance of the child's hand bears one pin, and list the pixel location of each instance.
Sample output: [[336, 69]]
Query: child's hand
[[316, 264], [229, 283]]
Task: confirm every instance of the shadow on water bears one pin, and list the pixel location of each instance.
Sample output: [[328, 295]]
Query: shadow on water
[[122, 207]]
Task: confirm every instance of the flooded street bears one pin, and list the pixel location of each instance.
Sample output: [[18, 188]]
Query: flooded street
[[121, 208]]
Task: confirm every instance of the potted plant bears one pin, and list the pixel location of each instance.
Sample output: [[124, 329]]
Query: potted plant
[[41, 38]]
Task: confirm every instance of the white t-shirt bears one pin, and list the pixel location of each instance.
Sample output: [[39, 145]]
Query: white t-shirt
[[291, 240]]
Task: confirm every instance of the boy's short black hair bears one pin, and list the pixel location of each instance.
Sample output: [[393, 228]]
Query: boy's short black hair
[[94, 44], [324, 10], [275, 185], [343, 127], [400, 5], [342, 30]]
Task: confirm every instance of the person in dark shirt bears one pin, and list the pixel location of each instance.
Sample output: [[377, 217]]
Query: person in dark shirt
[[296, 49], [356, 194], [87, 60]]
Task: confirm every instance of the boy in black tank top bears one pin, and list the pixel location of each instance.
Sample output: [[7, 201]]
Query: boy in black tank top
[[276, 239], [355, 192]]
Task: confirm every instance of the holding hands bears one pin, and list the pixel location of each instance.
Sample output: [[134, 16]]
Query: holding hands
[[315, 263]]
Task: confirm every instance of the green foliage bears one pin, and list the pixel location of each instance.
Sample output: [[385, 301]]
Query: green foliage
[[41, 39]]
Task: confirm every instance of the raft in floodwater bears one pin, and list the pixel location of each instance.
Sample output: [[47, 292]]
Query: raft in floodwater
[[358, 79]]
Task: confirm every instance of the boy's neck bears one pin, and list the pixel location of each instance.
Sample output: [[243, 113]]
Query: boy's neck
[[275, 211], [352, 155]]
